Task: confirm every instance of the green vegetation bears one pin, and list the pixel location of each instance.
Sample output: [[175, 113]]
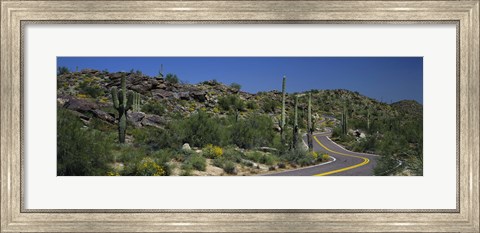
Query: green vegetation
[[153, 107], [62, 70], [236, 86], [74, 158], [172, 78], [234, 131]]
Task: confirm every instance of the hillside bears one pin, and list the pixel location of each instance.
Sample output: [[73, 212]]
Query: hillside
[[171, 116]]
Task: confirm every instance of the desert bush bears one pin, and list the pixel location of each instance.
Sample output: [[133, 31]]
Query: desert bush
[[62, 70], [153, 107], [294, 156], [305, 161], [88, 88], [261, 157], [80, 151], [199, 130], [227, 165], [230, 168], [236, 86], [231, 102], [255, 131], [269, 105], [197, 162], [187, 169], [155, 138], [218, 162], [172, 78], [252, 105], [267, 159], [212, 152], [148, 167], [232, 154], [325, 157]]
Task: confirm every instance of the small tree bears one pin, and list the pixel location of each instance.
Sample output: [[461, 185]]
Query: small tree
[[236, 86], [172, 78], [62, 70]]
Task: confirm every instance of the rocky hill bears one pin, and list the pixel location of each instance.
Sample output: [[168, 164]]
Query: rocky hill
[[174, 126], [88, 93]]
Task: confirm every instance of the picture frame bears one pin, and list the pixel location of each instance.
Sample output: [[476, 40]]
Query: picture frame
[[15, 14]]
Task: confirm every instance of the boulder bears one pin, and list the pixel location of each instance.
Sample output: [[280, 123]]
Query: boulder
[[184, 95], [200, 96], [186, 147], [135, 118], [161, 86], [103, 116], [163, 94], [142, 87], [153, 120], [117, 75], [80, 105]]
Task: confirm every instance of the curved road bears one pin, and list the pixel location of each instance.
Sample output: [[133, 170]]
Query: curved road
[[347, 163]]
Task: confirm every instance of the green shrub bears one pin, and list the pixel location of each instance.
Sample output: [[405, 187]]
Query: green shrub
[[80, 151], [153, 107], [62, 70], [231, 102], [172, 78], [325, 157], [255, 131], [305, 161], [267, 159], [294, 156], [236, 86], [232, 154], [218, 162], [212, 152], [255, 156], [148, 167], [186, 170], [269, 105], [198, 162], [87, 87], [230, 168], [199, 130], [155, 138], [252, 105]]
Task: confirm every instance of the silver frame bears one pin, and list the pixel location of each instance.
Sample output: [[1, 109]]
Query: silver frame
[[15, 14]]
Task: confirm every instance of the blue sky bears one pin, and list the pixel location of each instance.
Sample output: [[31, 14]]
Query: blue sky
[[383, 78]]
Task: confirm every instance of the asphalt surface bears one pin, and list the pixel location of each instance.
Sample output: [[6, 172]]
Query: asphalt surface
[[345, 162]]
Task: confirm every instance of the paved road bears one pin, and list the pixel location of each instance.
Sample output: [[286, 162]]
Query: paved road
[[347, 163]]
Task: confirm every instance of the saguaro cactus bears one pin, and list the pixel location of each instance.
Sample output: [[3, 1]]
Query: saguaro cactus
[[295, 123], [310, 126], [122, 104], [282, 123]]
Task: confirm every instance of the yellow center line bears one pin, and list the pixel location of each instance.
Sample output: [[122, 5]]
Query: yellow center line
[[365, 160]]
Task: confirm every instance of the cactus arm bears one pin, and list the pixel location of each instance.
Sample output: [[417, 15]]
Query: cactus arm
[[124, 91], [129, 103], [115, 97], [310, 129], [309, 111]]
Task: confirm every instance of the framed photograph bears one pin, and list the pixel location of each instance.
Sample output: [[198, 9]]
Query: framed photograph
[[239, 116]]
